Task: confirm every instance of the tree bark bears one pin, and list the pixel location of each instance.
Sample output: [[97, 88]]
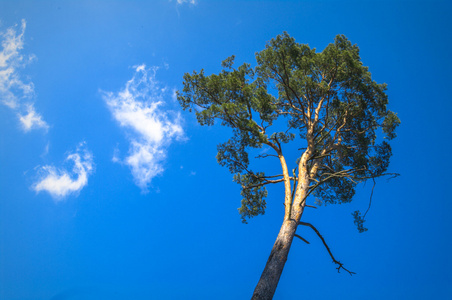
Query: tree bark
[[268, 282]]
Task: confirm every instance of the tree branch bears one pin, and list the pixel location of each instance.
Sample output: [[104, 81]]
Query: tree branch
[[301, 238], [265, 155], [311, 206], [286, 83], [340, 265], [266, 181], [333, 127], [393, 175], [343, 173], [287, 86], [370, 200]]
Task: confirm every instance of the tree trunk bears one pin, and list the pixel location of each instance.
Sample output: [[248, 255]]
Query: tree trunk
[[268, 282]]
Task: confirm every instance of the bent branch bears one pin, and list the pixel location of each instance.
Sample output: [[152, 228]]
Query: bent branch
[[340, 265]]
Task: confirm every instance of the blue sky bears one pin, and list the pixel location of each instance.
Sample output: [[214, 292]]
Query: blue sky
[[109, 191]]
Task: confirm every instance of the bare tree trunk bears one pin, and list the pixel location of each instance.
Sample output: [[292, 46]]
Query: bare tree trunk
[[268, 282]]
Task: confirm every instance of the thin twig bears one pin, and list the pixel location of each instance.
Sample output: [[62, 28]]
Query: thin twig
[[370, 200], [266, 155], [294, 182], [301, 238]]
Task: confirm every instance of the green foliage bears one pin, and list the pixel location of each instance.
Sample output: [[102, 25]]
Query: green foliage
[[359, 221], [233, 155], [389, 125], [327, 98], [253, 202]]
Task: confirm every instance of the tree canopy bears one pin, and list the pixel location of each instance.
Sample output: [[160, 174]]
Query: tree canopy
[[327, 98]]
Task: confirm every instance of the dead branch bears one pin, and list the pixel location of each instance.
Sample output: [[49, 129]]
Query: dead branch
[[370, 200], [340, 265], [266, 155], [311, 206]]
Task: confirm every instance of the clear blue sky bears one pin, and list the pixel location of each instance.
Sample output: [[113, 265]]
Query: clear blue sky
[[109, 191]]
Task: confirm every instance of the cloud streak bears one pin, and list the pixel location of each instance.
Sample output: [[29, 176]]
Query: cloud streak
[[59, 182], [14, 92], [139, 108], [186, 1]]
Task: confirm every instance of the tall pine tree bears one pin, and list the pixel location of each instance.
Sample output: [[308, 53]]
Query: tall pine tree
[[335, 115]]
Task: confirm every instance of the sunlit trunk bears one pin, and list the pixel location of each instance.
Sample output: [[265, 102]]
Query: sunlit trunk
[[268, 282]]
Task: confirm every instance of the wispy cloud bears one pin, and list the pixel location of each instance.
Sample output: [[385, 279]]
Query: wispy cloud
[[185, 1], [14, 91], [32, 119], [140, 108], [59, 182]]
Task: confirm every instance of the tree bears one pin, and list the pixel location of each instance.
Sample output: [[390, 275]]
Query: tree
[[332, 111]]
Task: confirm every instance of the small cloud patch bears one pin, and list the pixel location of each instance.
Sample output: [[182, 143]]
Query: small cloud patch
[[32, 120], [59, 182]]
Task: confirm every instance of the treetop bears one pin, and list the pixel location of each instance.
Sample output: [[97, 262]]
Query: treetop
[[326, 98]]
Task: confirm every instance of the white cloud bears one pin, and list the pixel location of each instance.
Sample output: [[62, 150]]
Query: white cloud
[[32, 119], [14, 92], [139, 107], [59, 182], [145, 161]]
